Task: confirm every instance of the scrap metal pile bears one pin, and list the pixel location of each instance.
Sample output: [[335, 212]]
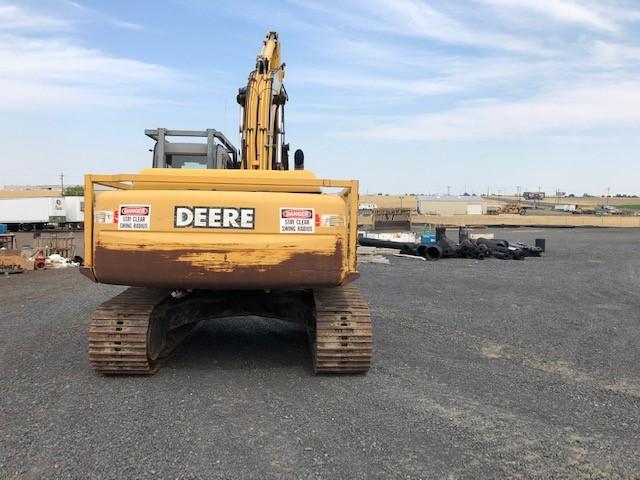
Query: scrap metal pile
[[50, 251], [466, 247]]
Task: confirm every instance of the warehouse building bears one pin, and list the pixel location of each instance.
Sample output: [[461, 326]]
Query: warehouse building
[[452, 205], [389, 201], [430, 204]]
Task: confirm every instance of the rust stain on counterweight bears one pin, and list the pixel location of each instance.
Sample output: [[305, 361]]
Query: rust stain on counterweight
[[219, 269]]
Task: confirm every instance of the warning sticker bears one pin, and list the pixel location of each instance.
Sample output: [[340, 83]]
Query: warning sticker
[[106, 216], [134, 217], [297, 220]]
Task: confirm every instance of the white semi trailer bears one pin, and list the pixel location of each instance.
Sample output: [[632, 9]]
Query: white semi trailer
[[74, 210], [39, 213]]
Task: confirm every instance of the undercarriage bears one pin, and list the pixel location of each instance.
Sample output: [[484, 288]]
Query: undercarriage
[[136, 331]]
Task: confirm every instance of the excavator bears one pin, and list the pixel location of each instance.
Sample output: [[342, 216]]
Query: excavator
[[211, 231]]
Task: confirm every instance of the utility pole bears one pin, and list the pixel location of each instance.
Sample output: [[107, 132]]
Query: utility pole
[[448, 190], [608, 192], [61, 183]]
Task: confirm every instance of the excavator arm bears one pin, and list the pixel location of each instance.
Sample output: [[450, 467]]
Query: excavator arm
[[262, 111]]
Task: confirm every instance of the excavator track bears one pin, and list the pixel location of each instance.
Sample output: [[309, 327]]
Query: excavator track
[[341, 335], [128, 335]]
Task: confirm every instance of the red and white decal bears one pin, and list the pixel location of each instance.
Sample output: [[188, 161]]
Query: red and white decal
[[297, 220], [134, 209], [296, 212], [134, 217]]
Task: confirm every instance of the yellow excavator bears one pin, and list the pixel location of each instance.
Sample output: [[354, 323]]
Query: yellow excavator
[[211, 232]]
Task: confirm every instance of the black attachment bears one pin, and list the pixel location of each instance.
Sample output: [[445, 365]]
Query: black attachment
[[298, 159], [242, 96]]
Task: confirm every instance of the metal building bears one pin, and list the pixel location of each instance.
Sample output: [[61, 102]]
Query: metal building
[[451, 205]]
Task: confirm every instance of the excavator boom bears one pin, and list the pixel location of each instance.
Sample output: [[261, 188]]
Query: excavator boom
[[262, 111]]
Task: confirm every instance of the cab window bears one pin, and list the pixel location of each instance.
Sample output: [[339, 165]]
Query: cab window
[[186, 161]]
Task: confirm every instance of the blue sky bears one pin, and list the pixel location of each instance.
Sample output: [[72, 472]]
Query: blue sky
[[409, 96]]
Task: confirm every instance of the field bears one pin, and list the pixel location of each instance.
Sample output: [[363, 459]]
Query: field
[[483, 369]]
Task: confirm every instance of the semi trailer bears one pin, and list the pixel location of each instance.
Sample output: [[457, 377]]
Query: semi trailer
[[24, 214]]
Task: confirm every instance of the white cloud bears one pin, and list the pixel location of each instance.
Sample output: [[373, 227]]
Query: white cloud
[[563, 11], [621, 14], [56, 72], [414, 18], [39, 68], [616, 54], [14, 18], [339, 80], [61, 60], [571, 109], [95, 14], [422, 74], [577, 87]]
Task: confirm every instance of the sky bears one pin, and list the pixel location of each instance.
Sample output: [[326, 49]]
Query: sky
[[408, 96]]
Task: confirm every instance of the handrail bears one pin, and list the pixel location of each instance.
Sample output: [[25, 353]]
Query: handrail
[[140, 179]]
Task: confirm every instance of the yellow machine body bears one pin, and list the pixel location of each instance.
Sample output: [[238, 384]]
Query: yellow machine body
[[220, 229]]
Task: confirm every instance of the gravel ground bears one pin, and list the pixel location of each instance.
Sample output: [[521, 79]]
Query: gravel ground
[[483, 369]]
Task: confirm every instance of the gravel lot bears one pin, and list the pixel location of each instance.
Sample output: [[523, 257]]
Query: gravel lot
[[483, 369]]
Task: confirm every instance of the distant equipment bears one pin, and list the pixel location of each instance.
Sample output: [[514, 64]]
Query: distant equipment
[[392, 218], [566, 207], [366, 209], [533, 195], [512, 208]]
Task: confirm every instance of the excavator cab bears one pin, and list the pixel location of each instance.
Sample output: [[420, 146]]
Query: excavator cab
[[216, 153]]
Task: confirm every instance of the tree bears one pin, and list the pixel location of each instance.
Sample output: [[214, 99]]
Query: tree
[[74, 191]]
